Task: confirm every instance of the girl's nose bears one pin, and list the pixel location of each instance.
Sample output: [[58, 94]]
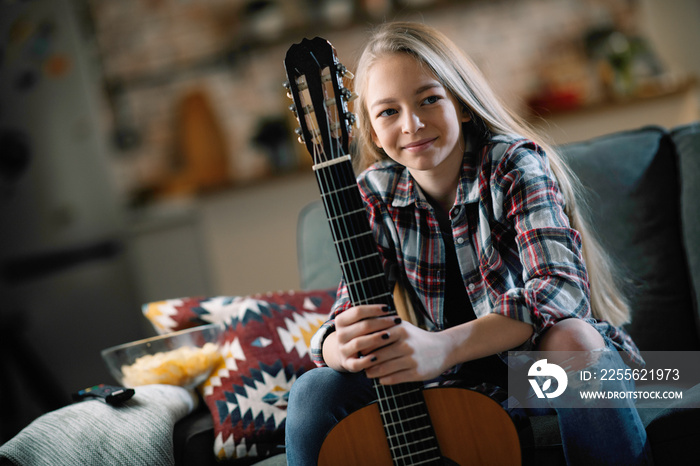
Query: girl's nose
[[412, 123]]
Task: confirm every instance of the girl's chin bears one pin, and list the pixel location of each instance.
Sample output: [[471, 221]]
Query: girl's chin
[[421, 165], [425, 162]]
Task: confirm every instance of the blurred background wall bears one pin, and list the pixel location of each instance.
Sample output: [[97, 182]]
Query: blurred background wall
[[146, 149]]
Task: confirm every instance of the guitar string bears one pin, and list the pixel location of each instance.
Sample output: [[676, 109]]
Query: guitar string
[[355, 277]]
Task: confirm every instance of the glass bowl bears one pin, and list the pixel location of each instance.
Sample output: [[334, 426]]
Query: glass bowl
[[184, 358]]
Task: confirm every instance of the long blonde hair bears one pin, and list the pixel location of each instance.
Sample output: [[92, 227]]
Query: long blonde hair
[[462, 78]]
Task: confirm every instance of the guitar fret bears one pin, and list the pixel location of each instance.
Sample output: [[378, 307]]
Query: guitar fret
[[414, 453], [414, 418], [415, 442], [346, 214], [407, 392], [365, 279], [331, 192], [361, 258], [403, 408], [372, 299], [353, 241], [350, 238]]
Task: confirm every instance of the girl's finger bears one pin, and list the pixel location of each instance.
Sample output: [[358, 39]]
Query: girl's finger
[[359, 313]]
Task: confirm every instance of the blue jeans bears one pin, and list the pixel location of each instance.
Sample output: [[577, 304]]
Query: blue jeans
[[322, 397], [318, 400], [599, 431]]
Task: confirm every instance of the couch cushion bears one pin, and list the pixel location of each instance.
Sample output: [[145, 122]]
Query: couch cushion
[[633, 192], [687, 139], [266, 348], [673, 431], [319, 267]]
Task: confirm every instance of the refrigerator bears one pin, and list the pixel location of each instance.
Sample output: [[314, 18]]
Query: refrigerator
[[66, 287]]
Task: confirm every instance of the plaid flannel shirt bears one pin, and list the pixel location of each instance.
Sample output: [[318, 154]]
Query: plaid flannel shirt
[[518, 255]]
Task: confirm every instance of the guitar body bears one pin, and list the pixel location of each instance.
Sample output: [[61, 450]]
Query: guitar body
[[471, 428]]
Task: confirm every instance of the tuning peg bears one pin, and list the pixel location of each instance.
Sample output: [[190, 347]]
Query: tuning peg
[[351, 118], [348, 95], [344, 71], [287, 86], [300, 135], [293, 109]]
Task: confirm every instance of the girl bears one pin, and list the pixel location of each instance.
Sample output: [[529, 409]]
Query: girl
[[480, 219]]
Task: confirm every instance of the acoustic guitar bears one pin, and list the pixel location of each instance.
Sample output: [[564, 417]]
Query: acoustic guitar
[[408, 425]]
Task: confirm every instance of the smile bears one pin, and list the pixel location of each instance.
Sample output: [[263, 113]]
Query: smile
[[419, 145]]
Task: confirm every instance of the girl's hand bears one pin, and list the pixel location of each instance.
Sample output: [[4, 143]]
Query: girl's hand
[[358, 331], [395, 352], [410, 354]]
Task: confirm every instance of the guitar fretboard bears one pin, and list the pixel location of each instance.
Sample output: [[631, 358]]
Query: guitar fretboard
[[354, 243], [404, 413], [407, 425]]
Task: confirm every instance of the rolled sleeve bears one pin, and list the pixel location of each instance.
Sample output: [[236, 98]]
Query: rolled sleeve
[[342, 303], [553, 282]]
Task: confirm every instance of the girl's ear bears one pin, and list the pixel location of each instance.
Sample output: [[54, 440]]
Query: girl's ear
[[466, 115]]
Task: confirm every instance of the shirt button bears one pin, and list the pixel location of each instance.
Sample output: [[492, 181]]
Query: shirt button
[[471, 287], [460, 240]]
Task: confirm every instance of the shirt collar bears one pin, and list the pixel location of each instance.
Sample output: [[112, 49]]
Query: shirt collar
[[408, 192], [468, 187]]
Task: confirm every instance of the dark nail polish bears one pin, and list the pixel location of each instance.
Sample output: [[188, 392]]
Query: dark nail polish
[[374, 359], [397, 320], [386, 309], [385, 336]]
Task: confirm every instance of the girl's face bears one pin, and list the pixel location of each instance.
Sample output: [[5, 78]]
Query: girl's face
[[414, 118]]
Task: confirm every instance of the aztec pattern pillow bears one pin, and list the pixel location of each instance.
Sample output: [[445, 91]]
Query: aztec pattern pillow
[[266, 349]]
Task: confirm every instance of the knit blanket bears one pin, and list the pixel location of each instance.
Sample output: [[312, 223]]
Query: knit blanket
[[139, 432]]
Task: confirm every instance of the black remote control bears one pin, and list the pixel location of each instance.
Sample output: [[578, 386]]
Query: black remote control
[[109, 394]]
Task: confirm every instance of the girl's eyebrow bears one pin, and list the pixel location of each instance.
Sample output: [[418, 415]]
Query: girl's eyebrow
[[419, 91]]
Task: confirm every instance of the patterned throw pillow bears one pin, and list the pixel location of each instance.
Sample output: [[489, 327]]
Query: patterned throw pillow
[[266, 349]]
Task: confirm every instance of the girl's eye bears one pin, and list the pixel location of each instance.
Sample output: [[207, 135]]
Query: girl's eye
[[388, 112], [432, 99]]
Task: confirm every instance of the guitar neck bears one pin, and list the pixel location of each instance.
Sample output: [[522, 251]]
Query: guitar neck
[[404, 414], [352, 236]]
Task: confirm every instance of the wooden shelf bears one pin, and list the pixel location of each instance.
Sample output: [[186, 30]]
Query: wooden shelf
[[668, 106]]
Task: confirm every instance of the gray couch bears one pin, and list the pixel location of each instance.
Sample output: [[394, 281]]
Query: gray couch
[[644, 199]]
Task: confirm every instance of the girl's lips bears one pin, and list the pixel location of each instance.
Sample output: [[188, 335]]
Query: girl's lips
[[419, 145]]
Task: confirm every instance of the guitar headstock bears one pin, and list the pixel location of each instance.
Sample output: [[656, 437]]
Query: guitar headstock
[[315, 83]]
